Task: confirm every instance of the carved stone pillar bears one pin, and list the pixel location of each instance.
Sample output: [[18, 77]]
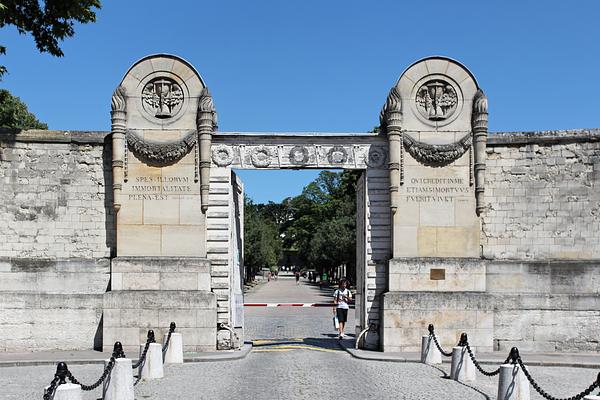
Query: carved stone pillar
[[206, 122], [118, 117], [391, 121], [480, 132]]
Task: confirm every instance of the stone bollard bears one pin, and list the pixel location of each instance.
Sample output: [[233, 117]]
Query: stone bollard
[[429, 351], [174, 353], [119, 384], [152, 367], [462, 368], [67, 391], [512, 383]]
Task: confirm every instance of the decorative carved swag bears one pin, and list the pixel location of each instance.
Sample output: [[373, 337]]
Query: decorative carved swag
[[160, 153], [437, 155]]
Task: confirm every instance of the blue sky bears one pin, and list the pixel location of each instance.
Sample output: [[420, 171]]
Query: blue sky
[[315, 65]]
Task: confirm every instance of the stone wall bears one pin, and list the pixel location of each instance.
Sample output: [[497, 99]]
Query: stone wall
[[55, 197], [543, 197], [48, 304]]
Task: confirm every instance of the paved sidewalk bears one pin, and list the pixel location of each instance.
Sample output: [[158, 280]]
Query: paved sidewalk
[[577, 360], [97, 357]]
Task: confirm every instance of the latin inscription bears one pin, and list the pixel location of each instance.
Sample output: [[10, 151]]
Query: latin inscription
[[159, 187], [435, 190]]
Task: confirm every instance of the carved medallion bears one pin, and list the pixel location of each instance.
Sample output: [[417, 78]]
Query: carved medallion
[[436, 100], [162, 98], [299, 155], [222, 155], [337, 155], [261, 157], [376, 157]]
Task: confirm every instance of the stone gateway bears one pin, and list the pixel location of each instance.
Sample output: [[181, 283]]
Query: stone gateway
[[108, 234]]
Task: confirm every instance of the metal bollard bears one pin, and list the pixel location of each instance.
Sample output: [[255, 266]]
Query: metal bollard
[[68, 391], [512, 382], [429, 352], [174, 352], [119, 385], [152, 368], [462, 368]]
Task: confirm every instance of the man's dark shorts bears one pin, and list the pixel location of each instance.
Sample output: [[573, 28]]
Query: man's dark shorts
[[342, 314]]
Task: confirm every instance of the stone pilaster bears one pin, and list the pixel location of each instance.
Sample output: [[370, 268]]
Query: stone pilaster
[[480, 132], [118, 118], [206, 122], [391, 118]]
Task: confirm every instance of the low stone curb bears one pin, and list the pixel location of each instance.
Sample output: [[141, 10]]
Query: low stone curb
[[415, 358], [225, 355]]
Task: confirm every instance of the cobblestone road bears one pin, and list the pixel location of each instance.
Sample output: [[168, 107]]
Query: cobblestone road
[[310, 366]]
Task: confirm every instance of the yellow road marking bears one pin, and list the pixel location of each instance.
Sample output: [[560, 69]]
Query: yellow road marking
[[297, 347]]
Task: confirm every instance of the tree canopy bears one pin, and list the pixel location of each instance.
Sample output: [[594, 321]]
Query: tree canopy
[[49, 21], [319, 225], [14, 113]]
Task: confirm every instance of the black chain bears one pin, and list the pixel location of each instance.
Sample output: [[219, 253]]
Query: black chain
[[432, 335], [94, 385], [59, 379], [171, 330], [117, 353], [478, 366], [545, 395], [49, 394], [149, 340]]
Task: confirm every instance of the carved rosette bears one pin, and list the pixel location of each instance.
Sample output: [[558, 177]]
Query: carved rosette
[[160, 153], [337, 155], [299, 155], [261, 156], [376, 157], [222, 155], [437, 155]]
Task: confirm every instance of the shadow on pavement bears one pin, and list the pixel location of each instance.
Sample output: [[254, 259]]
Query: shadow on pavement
[[330, 342]]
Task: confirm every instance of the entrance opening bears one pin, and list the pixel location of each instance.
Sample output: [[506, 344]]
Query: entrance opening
[[296, 248]]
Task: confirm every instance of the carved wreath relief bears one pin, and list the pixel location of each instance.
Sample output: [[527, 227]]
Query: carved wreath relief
[[163, 153], [337, 155], [299, 155], [222, 156], [261, 157], [436, 100], [376, 157], [162, 98]]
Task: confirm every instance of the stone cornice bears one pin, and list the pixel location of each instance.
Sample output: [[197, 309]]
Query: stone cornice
[[494, 139]]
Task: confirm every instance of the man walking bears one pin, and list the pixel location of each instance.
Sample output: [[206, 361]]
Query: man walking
[[341, 298]]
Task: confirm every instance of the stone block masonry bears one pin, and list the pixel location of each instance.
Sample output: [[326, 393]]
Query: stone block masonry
[[540, 245], [542, 194], [55, 196]]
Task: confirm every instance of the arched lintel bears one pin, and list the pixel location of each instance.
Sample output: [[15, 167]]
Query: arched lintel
[[165, 55], [439, 57]]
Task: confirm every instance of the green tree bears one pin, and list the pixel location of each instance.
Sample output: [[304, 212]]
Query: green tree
[[323, 226], [262, 244], [48, 21], [14, 113]]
